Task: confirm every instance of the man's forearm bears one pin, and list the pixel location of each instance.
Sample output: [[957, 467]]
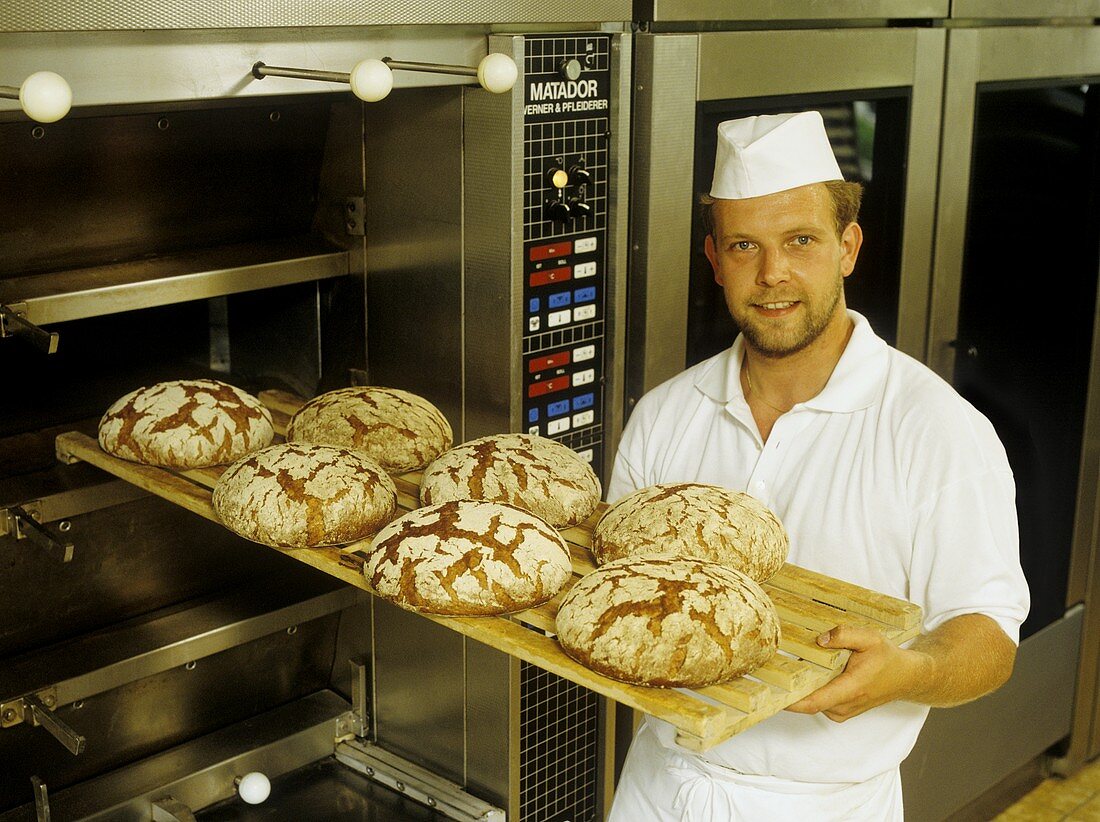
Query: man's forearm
[[966, 657]]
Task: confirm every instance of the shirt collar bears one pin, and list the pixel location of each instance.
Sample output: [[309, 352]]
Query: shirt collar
[[854, 384]]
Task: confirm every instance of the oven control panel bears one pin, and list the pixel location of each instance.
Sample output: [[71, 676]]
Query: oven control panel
[[566, 120]]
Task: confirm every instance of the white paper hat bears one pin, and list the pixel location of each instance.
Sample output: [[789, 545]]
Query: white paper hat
[[772, 152]]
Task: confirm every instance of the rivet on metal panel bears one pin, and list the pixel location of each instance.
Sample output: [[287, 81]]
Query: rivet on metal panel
[[38, 132], [274, 116], [163, 124], [190, 666], [399, 785], [293, 629]]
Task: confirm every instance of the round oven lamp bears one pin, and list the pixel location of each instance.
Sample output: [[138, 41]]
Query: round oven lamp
[[45, 97], [371, 80], [497, 72], [254, 787]]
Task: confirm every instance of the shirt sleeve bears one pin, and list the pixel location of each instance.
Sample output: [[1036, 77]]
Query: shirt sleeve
[[966, 557]]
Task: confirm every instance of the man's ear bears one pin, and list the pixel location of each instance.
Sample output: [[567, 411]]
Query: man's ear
[[712, 256], [851, 240]]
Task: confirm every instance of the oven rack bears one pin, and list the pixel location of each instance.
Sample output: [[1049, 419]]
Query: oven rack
[[808, 603]]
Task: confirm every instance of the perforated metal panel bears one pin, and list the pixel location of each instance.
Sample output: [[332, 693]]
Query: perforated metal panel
[[110, 15], [559, 725]]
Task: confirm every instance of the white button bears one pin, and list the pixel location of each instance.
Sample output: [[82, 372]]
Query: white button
[[534, 429], [532, 323], [584, 377], [586, 454], [582, 270], [583, 418], [584, 245], [584, 312], [584, 352], [556, 318], [557, 426]]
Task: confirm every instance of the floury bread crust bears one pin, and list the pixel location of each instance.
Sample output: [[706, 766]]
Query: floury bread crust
[[185, 424], [670, 623], [399, 430], [694, 520], [467, 558], [304, 496], [537, 474]]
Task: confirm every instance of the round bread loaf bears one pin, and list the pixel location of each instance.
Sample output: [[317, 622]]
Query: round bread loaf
[[671, 623], [467, 558], [399, 430], [694, 520], [304, 496], [185, 424], [535, 473]]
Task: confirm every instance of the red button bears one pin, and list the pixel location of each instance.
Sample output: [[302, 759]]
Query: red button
[[551, 275], [545, 252], [548, 386], [553, 361]]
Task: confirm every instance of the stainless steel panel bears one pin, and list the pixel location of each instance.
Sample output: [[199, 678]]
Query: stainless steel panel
[[413, 165], [741, 10], [1012, 53], [755, 64], [951, 205], [492, 202], [664, 133], [1033, 9], [492, 726], [618, 241], [93, 15], [925, 113], [158, 67], [202, 770], [964, 751], [420, 698]]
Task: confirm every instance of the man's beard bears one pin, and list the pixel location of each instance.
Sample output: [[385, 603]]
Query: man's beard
[[780, 340]]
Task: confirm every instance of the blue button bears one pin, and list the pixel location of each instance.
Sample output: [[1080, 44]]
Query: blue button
[[585, 295], [533, 415], [559, 300], [583, 401], [556, 409], [533, 305]]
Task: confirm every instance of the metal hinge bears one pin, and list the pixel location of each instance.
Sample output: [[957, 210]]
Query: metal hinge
[[355, 216], [37, 710], [21, 522], [13, 323]]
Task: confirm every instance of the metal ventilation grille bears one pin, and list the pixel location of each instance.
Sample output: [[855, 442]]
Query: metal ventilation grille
[[559, 746]]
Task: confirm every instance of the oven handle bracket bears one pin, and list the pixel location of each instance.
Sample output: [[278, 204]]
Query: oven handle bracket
[[14, 324], [37, 710], [21, 522]]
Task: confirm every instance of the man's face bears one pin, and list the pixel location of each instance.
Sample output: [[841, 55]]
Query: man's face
[[782, 267]]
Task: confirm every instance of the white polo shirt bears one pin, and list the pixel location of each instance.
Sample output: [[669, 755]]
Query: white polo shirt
[[887, 478]]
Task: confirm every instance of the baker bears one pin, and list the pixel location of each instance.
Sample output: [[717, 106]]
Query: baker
[[882, 474]]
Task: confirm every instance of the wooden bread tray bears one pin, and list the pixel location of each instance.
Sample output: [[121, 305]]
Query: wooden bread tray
[[808, 603]]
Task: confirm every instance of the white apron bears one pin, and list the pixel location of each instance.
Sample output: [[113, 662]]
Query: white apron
[[659, 784]]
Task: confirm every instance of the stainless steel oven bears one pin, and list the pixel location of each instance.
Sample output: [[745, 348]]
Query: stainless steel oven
[[188, 218]]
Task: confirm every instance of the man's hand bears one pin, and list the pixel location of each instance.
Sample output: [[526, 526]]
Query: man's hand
[[963, 659], [877, 672]]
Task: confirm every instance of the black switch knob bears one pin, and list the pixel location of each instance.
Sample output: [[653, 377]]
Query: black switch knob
[[579, 175], [559, 211], [580, 208]]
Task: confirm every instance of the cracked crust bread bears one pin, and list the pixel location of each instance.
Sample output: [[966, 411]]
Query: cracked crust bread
[[535, 473], [467, 558], [694, 520], [305, 496], [185, 424], [400, 431], [669, 623]]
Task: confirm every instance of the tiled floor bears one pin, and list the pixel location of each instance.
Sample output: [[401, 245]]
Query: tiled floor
[[1075, 798]]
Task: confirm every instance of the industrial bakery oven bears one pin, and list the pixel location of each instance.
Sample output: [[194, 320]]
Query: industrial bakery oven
[[190, 218], [1020, 160]]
